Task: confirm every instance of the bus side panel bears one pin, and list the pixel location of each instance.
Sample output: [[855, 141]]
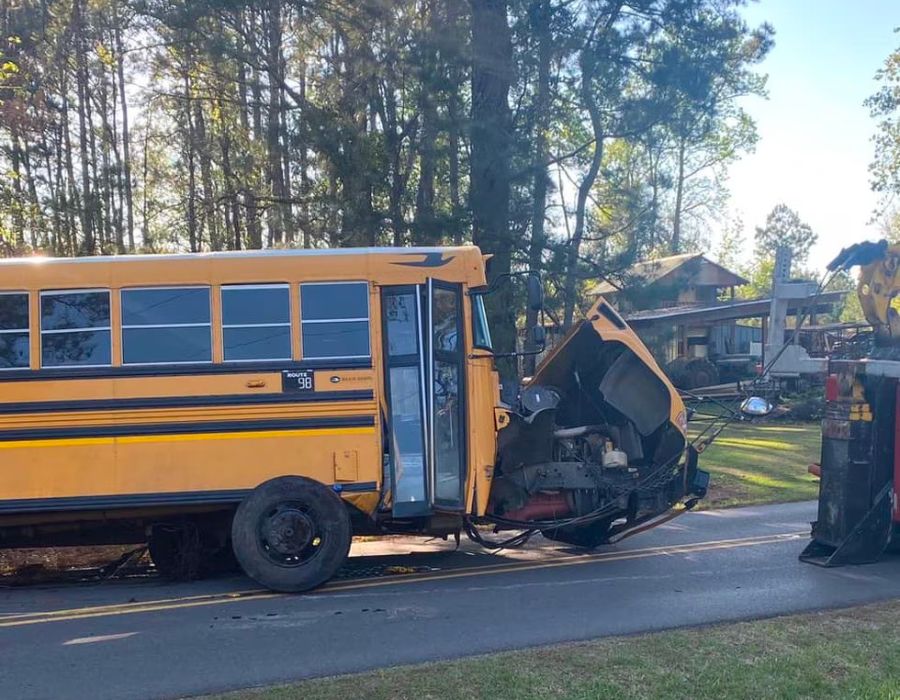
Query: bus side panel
[[185, 464], [182, 454]]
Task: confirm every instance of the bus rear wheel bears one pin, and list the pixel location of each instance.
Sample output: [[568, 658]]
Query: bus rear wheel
[[291, 534]]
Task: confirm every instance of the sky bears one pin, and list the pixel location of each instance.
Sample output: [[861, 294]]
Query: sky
[[815, 134]]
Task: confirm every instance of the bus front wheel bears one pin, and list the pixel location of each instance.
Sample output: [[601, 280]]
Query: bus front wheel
[[291, 534]]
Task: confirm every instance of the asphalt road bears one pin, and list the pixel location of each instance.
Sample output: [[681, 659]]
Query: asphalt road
[[147, 639]]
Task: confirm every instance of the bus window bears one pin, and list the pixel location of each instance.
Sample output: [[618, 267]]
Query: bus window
[[163, 325], [13, 330], [335, 320], [481, 333], [75, 330], [256, 322]]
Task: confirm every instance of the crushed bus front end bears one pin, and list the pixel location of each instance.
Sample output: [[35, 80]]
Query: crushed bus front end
[[596, 447]]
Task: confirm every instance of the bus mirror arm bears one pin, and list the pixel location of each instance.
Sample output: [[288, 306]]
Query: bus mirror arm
[[533, 285], [538, 337], [535, 292]]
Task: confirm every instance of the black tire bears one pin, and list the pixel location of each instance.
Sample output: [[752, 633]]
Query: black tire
[[675, 370], [700, 373], [291, 534], [591, 535]]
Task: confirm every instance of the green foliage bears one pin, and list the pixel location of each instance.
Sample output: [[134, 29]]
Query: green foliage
[[884, 106], [730, 249], [784, 227], [163, 125], [759, 274]]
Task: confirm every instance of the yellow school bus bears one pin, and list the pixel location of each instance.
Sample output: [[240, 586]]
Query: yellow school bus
[[269, 405]]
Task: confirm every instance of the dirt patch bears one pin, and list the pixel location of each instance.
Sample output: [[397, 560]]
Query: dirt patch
[[720, 494], [21, 566]]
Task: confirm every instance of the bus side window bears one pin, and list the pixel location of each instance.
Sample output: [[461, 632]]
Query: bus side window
[[14, 339], [166, 325], [75, 328], [256, 322], [335, 320]]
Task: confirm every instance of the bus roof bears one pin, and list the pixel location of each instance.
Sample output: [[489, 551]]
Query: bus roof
[[381, 265]]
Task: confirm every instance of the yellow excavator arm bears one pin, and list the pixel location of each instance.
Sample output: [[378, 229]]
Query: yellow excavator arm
[[879, 283]]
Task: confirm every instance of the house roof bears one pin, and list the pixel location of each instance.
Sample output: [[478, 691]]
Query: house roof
[[729, 310], [646, 272]]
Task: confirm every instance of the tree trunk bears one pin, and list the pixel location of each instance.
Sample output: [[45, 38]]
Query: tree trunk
[[489, 190], [251, 200], [126, 139], [454, 115], [425, 221], [35, 214], [18, 213], [74, 204], [570, 292], [541, 26], [210, 213], [233, 221], [304, 173], [588, 62], [679, 200], [112, 231], [193, 238], [276, 210], [290, 229], [88, 244], [425, 224]]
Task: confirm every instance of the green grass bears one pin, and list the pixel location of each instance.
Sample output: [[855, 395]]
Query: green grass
[[761, 463], [853, 653]]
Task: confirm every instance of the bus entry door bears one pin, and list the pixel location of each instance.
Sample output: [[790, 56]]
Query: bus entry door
[[424, 364]]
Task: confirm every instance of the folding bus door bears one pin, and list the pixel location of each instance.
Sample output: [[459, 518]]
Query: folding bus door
[[424, 363]]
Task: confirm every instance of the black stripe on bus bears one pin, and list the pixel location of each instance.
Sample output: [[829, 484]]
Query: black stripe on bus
[[182, 428], [183, 401], [147, 500], [24, 375]]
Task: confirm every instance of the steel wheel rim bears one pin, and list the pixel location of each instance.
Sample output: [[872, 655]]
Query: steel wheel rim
[[288, 534]]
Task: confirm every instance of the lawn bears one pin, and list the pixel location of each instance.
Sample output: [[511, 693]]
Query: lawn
[[853, 653], [761, 463]]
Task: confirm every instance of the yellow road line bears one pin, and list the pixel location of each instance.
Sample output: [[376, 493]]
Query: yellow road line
[[21, 619], [184, 437], [573, 560], [222, 597]]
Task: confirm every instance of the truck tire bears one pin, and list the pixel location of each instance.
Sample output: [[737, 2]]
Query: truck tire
[[700, 373], [291, 534], [675, 371]]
